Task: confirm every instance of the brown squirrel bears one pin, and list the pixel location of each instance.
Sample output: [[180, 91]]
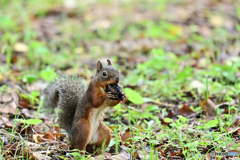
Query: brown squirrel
[[81, 107]]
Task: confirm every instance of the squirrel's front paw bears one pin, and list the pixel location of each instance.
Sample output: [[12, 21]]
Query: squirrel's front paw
[[111, 95], [124, 96]]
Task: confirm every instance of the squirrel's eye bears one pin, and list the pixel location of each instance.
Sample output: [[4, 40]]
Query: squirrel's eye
[[104, 74]]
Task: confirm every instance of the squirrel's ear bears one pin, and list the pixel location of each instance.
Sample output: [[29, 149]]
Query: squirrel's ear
[[109, 62], [99, 66]]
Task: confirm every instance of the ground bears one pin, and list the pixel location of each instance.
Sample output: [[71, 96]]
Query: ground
[[179, 63]]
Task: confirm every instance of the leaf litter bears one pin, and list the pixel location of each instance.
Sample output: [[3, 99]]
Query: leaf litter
[[201, 122]]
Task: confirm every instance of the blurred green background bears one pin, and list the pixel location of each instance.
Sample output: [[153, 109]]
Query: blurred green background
[[163, 48]]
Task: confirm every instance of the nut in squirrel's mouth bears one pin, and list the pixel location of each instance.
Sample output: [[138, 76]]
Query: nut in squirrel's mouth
[[115, 90], [110, 83]]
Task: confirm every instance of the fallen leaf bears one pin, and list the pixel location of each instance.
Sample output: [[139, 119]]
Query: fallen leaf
[[7, 122], [9, 105], [171, 114], [40, 156], [233, 130], [185, 111], [38, 138], [125, 138], [226, 111], [209, 107], [237, 121], [120, 156], [10, 148], [9, 108], [51, 136], [24, 102], [161, 151], [165, 123]]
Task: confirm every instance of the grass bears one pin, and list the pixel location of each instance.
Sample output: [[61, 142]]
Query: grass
[[165, 75]]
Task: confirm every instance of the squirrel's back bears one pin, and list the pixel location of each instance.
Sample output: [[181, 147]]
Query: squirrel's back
[[64, 93]]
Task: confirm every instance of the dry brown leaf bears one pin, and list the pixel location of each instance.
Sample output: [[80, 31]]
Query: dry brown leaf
[[54, 133], [161, 151], [114, 127], [9, 105], [120, 156], [165, 123], [40, 156], [171, 114], [10, 148], [41, 139], [135, 155], [57, 129], [226, 111], [6, 122], [24, 102], [209, 107], [9, 108], [125, 138], [185, 111], [51, 136], [237, 121], [38, 138]]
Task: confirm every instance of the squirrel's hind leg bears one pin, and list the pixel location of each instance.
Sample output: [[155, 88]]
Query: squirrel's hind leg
[[80, 134], [104, 135]]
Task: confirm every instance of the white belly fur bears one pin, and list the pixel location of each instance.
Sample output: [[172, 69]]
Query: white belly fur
[[95, 119]]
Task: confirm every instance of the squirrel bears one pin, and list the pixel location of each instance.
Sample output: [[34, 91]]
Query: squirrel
[[80, 107]]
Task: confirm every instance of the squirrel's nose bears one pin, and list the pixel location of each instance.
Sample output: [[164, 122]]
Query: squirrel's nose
[[116, 79]]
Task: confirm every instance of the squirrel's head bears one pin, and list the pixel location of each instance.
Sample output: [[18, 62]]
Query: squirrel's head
[[106, 75]]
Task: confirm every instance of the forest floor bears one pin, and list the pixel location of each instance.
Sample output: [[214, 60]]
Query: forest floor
[[179, 63]]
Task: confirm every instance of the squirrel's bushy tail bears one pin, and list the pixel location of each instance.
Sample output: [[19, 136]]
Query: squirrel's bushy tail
[[64, 93]]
